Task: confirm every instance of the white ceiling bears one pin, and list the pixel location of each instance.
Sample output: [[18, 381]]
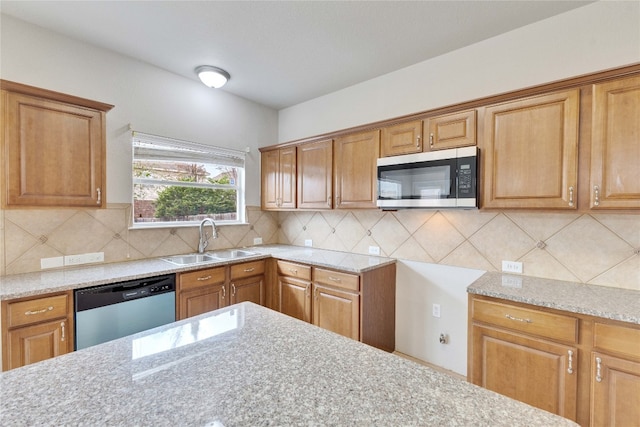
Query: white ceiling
[[281, 53]]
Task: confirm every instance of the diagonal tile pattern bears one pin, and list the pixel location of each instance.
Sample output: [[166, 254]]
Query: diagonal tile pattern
[[599, 248]]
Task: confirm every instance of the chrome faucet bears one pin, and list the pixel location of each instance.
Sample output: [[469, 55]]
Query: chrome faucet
[[204, 238]]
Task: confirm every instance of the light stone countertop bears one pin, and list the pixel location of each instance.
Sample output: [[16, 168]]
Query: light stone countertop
[[592, 300], [48, 281], [246, 365]]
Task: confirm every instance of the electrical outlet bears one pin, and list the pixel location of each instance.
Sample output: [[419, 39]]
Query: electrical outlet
[[51, 262], [512, 267], [308, 242], [257, 240], [89, 258], [436, 310], [374, 250]]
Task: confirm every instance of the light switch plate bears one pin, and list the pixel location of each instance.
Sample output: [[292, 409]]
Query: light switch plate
[[374, 250], [257, 240], [308, 242], [512, 267]]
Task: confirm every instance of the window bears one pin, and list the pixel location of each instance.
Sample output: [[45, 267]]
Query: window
[[181, 183]]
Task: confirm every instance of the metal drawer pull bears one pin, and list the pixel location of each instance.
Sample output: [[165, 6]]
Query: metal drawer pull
[[335, 279], [233, 289], [570, 369], [204, 278], [418, 142], [596, 195], [291, 270], [44, 310], [62, 326], [99, 191], [306, 291], [518, 319], [249, 270], [431, 139], [598, 369], [224, 292]]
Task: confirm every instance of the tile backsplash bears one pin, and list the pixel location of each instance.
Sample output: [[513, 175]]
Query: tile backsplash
[[601, 249]]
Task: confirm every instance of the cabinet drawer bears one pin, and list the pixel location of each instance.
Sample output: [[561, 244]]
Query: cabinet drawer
[[549, 325], [247, 269], [617, 339], [196, 279], [37, 310], [337, 279], [294, 270]]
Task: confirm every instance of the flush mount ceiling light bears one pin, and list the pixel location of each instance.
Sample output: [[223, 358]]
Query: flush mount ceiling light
[[212, 76]]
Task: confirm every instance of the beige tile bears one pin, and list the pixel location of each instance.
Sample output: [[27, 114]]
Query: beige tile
[[332, 242], [539, 263], [438, 237], [626, 226], [318, 229], [39, 222], [333, 217], [146, 241], [216, 244], [117, 250], [291, 227], [114, 218], [368, 217], [625, 275], [362, 247], [389, 233], [500, 239], [304, 217], [191, 236], [412, 219], [17, 241], [541, 226], [468, 222], [266, 226], [587, 248], [350, 231], [170, 246], [81, 233], [30, 260], [234, 233], [467, 256], [410, 250]]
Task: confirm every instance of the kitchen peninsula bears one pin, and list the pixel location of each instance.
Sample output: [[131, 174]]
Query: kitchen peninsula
[[247, 365]]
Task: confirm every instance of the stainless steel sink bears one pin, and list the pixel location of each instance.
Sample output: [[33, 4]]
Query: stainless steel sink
[[190, 259], [231, 254]]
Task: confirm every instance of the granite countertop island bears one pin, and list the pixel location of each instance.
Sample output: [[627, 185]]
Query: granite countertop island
[[48, 281], [246, 365]]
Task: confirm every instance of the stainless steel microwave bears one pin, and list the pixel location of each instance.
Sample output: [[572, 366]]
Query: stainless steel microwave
[[435, 179]]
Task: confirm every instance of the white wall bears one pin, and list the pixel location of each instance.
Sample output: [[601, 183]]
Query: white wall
[[150, 99], [595, 37], [420, 285]]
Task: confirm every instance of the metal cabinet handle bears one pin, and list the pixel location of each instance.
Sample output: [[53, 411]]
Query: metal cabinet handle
[[306, 291], [596, 195], [570, 368], [518, 319], [204, 278], [249, 270], [224, 292], [571, 196], [315, 294], [418, 142], [329, 201], [431, 139], [233, 289], [99, 192], [337, 200], [334, 279], [62, 326], [32, 312], [293, 271], [598, 369]]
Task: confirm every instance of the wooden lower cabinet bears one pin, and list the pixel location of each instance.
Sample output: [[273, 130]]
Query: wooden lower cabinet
[[209, 289], [358, 306], [530, 370], [580, 367], [36, 329]]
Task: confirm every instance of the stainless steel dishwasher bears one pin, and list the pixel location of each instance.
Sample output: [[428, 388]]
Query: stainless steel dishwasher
[[104, 313]]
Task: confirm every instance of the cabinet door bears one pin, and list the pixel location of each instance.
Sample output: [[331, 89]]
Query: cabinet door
[[315, 175], [615, 391], [287, 179], [615, 146], [270, 161], [451, 130], [35, 343], [201, 300], [355, 169], [55, 153], [248, 289], [295, 297], [337, 311], [530, 153], [538, 372], [404, 138]]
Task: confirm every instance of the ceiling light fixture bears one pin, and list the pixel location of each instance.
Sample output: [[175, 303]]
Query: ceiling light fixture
[[212, 76]]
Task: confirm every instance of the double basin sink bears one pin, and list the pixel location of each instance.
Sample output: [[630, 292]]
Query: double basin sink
[[224, 255]]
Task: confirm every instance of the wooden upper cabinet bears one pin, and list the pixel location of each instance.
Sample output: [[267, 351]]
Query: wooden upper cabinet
[[403, 138], [450, 130], [54, 148], [315, 175], [355, 170], [615, 145], [529, 152], [279, 179]]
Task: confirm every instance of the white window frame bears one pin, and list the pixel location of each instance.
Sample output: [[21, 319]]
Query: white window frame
[[148, 146]]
